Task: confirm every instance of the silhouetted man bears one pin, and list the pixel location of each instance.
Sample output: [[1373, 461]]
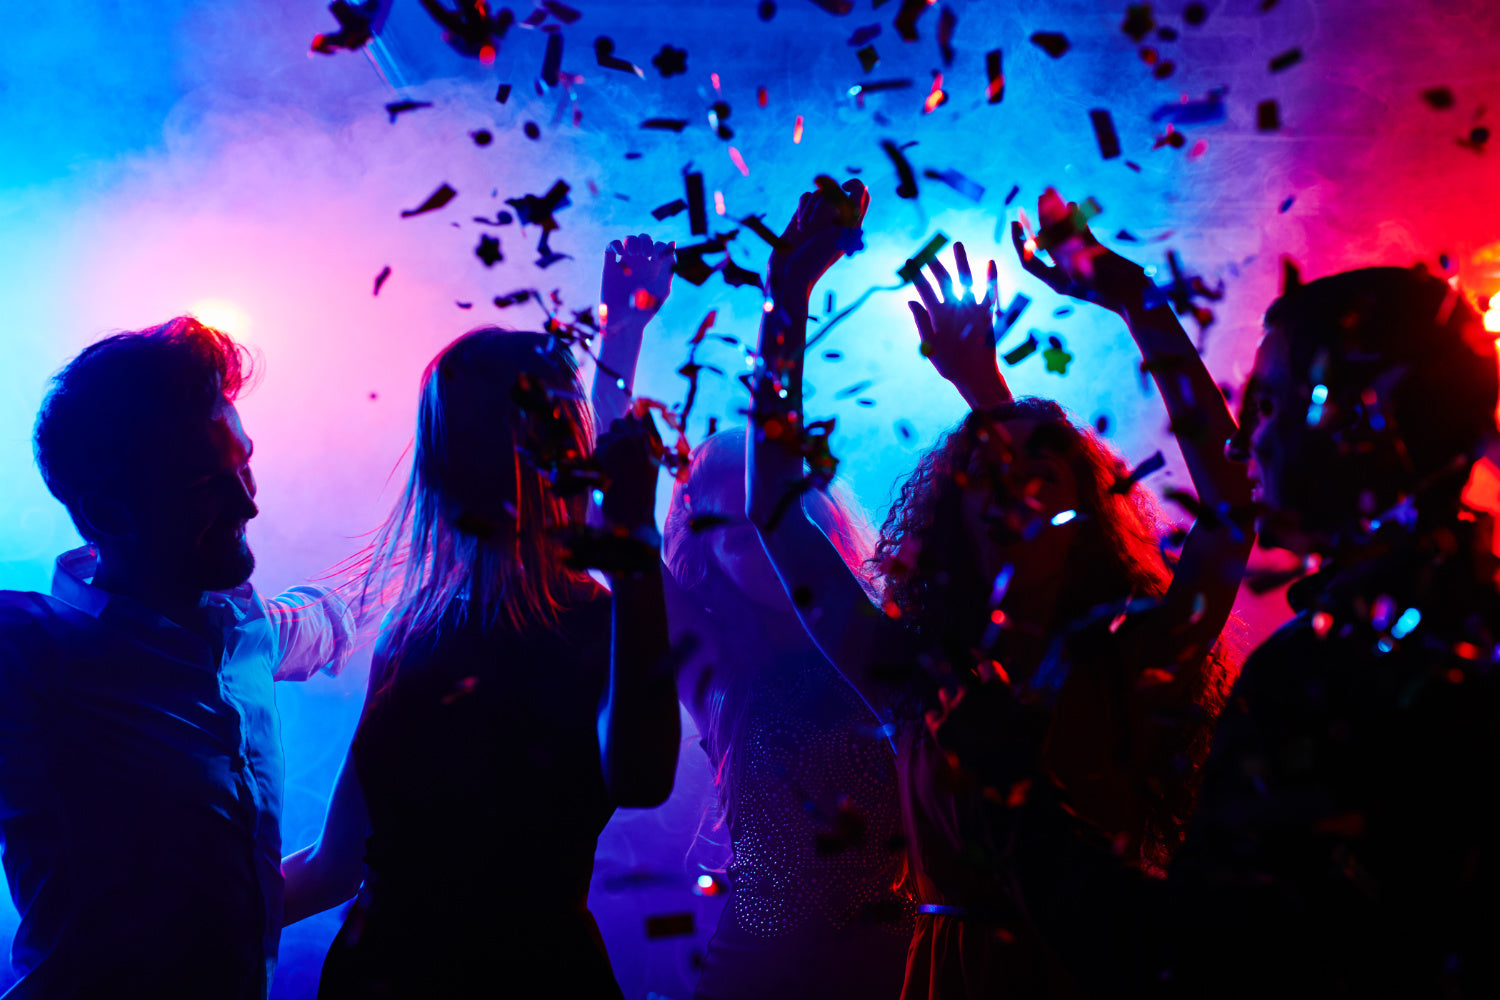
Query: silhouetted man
[[140, 751], [1344, 844]]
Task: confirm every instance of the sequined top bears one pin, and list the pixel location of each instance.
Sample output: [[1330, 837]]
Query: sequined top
[[814, 818]]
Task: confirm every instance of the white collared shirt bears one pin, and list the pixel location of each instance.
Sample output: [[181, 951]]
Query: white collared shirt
[[141, 785]]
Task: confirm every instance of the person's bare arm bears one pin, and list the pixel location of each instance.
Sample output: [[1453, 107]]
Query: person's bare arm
[[639, 726], [829, 599], [331, 869], [636, 280], [1207, 576]]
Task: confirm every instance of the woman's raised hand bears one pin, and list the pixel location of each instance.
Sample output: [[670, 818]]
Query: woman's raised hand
[[1084, 269], [637, 279], [825, 227], [957, 332]]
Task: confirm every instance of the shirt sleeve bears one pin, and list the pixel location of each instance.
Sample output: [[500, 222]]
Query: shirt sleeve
[[315, 631]]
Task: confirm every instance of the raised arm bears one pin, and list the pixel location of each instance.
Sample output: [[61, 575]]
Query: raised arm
[[829, 600], [636, 281], [1213, 557], [330, 870], [640, 728]]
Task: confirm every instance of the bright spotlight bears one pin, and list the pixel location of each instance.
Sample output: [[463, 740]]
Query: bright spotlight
[[223, 316]]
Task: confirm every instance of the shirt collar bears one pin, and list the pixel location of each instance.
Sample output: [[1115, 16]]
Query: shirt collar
[[75, 568]]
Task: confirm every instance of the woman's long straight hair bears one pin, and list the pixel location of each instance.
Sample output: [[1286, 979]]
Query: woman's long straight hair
[[473, 534]]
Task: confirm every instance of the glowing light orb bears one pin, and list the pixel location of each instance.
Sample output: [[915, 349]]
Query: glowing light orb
[[223, 316], [1492, 319]]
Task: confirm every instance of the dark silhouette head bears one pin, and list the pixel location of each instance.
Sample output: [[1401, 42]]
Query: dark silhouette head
[[1371, 388], [139, 438], [501, 420], [988, 496]]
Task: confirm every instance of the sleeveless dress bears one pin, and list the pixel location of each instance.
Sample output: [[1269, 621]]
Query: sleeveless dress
[[816, 905], [480, 768]]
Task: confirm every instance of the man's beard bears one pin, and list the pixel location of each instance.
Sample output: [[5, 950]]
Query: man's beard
[[228, 567]]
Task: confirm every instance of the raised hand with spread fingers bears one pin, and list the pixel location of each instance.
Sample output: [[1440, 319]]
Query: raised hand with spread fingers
[[958, 332]]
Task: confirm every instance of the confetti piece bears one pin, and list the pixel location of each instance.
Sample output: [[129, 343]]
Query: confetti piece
[[532, 130], [669, 61], [697, 212], [717, 113], [513, 299], [737, 277], [1011, 196], [936, 97], [912, 267], [1194, 14], [1439, 98], [355, 27], [907, 186], [668, 210], [1021, 353], [868, 58], [761, 97], [1054, 43], [1208, 111], [434, 201], [838, 8], [500, 219], [878, 86], [958, 182], [907, 16], [868, 33], [1056, 357], [552, 59], [665, 124], [1138, 22], [852, 390], [797, 131], [994, 90], [503, 94], [1287, 204], [1012, 313], [1155, 463], [905, 431], [489, 251], [947, 24], [1286, 60], [564, 13], [1101, 423], [1268, 116], [604, 53], [482, 137], [396, 108], [385, 273], [766, 10], [756, 224], [1104, 132]]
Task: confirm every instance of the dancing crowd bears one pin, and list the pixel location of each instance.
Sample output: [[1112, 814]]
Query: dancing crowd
[[1001, 747]]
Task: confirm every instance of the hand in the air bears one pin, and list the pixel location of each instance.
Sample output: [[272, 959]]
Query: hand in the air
[[1084, 269], [958, 333], [825, 227], [637, 278]]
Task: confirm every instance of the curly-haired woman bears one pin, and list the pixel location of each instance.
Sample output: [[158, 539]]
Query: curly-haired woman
[[1019, 548]]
